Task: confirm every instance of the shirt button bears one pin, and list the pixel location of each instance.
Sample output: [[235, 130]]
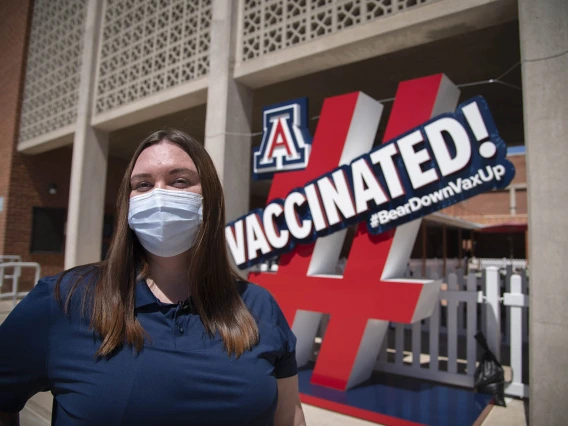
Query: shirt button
[[180, 329]]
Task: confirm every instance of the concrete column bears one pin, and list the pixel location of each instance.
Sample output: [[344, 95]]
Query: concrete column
[[89, 163], [544, 52], [229, 107]]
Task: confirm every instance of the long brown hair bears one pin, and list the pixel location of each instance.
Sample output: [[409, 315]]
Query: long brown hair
[[212, 283]]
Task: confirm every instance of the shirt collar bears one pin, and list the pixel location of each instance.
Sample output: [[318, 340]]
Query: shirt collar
[[144, 295]]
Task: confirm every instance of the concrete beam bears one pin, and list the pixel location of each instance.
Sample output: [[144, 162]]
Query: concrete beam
[[47, 142], [166, 102], [413, 27]]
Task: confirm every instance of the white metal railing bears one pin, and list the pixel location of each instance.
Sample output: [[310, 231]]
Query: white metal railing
[[483, 263], [15, 277], [434, 267], [10, 258]]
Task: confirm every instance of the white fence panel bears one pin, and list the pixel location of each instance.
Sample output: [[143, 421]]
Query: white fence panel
[[471, 324], [399, 344], [434, 323], [493, 307], [462, 311], [450, 352], [452, 324], [416, 344], [517, 302], [453, 297]]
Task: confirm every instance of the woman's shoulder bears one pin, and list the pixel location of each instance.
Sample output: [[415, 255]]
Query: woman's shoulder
[[259, 301], [266, 310], [80, 276], [72, 283], [40, 308]]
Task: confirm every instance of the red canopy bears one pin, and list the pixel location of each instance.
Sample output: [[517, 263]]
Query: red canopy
[[502, 228]]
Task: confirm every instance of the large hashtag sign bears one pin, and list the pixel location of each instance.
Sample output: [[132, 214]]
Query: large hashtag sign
[[368, 295]]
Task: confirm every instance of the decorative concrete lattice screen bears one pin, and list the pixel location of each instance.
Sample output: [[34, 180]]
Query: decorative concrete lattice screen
[[149, 46], [51, 87], [271, 25]]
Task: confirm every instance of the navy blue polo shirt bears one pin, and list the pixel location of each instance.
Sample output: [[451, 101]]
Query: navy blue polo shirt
[[182, 377]]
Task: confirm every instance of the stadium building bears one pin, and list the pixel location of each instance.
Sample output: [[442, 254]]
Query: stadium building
[[84, 81]]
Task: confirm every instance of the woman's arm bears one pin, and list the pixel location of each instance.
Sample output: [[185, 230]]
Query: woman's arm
[[289, 410], [24, 339], [9, 419]]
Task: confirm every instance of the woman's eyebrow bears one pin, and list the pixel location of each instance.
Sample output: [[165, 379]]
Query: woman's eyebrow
[[176, 171], [140, 176], [181, 170]]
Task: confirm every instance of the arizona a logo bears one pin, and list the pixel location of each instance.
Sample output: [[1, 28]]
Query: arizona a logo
[[286, 141]]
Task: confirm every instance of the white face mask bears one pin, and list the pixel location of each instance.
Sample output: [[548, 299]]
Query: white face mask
[[165, 221]]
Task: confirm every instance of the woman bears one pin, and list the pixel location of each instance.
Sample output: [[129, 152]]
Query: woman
[[162, 332]]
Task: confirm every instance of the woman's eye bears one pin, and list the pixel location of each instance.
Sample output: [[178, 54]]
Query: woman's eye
[[181, 182], [142, 186]]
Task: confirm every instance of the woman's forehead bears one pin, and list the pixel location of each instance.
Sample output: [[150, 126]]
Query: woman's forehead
[[162, 156]]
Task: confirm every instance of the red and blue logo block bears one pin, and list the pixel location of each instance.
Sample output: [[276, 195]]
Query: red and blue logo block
[[286, 140], [371, 292]]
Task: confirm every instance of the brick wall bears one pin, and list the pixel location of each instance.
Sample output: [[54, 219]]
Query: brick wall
[[14, 22], [15, 19], [30, 180], [23, 179], [519, 161], [494, 207]]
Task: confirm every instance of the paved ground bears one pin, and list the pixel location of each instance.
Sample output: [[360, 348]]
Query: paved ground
[[314, 416], [513, 415], [38, 410]]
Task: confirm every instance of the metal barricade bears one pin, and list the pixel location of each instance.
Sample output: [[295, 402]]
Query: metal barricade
[[8, 258], [17, 272]]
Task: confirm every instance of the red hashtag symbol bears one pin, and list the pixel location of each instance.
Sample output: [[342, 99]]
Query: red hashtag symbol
[[366, 297]]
